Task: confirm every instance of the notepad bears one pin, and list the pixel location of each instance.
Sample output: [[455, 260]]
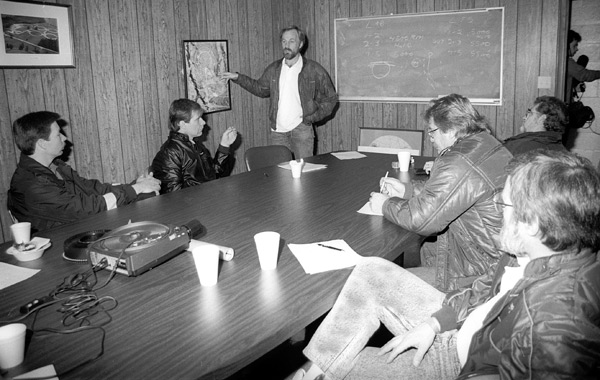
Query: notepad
[[316, 259], [366, 209]]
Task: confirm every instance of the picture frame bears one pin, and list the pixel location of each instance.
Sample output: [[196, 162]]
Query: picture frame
[[36, 34], [391, 141], [204, 61]]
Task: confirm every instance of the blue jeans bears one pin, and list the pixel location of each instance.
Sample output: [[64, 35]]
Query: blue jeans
[[379, 291], [300, 140]]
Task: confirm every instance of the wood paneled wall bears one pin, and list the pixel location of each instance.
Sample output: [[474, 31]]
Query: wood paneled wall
[[128, 69]]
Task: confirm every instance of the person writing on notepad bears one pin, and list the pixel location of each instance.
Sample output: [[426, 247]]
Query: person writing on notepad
[[454, 206]]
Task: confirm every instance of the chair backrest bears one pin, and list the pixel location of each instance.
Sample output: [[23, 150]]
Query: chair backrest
[[263, 156], [391, 141]]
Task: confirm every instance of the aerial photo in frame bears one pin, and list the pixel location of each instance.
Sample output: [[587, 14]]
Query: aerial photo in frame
[[204, 62], [30, 35]]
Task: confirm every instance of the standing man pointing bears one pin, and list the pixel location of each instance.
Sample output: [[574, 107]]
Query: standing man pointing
[[301, 94]]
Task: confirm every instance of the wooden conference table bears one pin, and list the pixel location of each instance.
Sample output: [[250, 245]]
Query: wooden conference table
[[166, 325]]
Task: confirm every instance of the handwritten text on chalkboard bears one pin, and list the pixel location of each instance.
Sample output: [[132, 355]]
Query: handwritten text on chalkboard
[[417, 57]]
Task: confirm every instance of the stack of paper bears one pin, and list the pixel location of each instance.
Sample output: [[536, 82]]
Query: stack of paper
[[308, 167], [324, 256], [352, 155]]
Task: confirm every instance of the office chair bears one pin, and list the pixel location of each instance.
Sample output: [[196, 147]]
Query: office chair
[[262, 156]]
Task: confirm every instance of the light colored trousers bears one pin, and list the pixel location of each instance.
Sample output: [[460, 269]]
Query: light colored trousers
[[379, 291]]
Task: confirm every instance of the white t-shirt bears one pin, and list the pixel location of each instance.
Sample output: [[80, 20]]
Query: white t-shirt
[[475, 320], [289, 108]]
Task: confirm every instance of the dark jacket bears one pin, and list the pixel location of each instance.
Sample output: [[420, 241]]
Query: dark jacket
[[527, 141], [576, 71], [38, 196], [546, 327], [456, 202], [179, 163], [317, 94]]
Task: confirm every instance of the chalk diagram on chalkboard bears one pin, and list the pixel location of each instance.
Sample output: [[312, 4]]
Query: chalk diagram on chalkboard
[[416, 57], [380, 69]]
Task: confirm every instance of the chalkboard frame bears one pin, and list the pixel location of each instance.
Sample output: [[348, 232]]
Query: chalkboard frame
[[492, 100]]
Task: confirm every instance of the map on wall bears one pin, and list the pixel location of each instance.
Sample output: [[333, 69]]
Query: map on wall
[[204, 61]]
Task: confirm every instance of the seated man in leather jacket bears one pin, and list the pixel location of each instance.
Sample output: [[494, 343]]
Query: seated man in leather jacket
[[183, 160], [543, 127], [455, 204], [47, 192]]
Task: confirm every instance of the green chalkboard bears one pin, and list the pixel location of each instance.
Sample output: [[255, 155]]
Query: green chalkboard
[[416, 57]]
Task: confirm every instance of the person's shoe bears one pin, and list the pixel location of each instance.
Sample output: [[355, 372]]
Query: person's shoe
[[299, 375]]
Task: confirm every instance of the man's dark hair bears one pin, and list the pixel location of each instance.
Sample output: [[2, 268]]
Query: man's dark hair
[[28, 129], [455, 112], [573, 36], [182, 110], [556, 111], [561, 191], [301, 33]]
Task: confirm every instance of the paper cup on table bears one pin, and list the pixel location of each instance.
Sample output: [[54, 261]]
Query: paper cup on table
[[296, 167], [267, 246], [12, 345], [403, 161], [206, 258], [21, 232]]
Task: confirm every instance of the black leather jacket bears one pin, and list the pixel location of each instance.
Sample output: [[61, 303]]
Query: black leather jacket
[[456, 202], [38, 196], [180, 163], [546, 327], [317, 94]]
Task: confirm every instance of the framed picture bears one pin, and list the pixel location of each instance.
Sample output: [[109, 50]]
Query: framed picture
[[380, 140], [204, 61], [36, 35]]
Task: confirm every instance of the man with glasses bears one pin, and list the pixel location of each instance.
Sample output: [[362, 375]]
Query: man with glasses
[[454, 207], [533, 315], [543, 127]]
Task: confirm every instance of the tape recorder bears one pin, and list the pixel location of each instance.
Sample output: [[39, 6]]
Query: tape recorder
[[138, 247]]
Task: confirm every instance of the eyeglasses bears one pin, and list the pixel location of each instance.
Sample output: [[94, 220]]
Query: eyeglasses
[[529, 112], [430, 132], [497, 199]]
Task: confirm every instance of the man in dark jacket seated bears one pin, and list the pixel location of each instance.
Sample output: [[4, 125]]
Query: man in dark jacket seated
[[46, 191], [534, 315], [543, 127], [455, 204], [183, 160]]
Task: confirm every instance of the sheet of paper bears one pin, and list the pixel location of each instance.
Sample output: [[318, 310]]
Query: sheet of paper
[[12, 274], [348, 155], [308, 167], [366, 209], [316, 259], [47, 373]]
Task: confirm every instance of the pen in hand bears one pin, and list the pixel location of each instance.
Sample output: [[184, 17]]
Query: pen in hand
[[330, 247], [383, 183]]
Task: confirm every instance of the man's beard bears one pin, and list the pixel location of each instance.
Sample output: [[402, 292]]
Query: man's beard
[[289, 54], [511, 240]]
